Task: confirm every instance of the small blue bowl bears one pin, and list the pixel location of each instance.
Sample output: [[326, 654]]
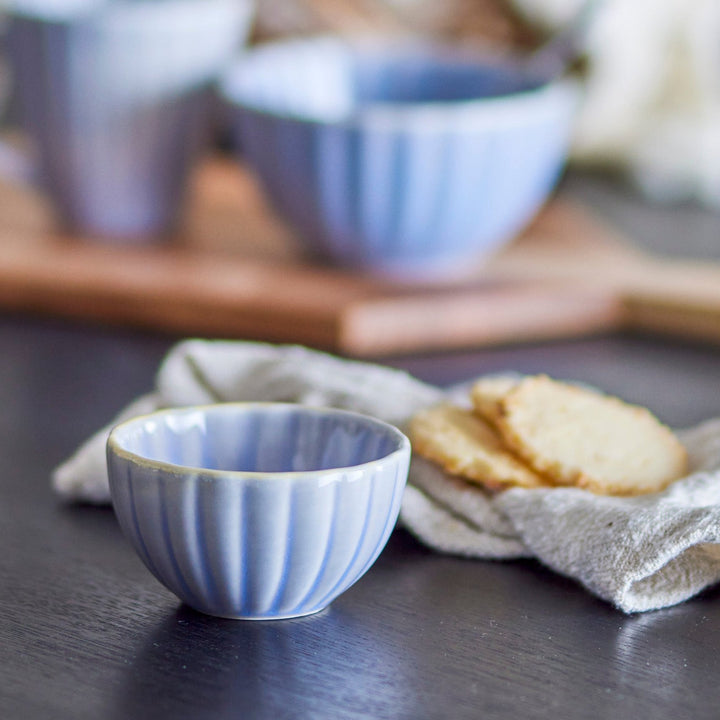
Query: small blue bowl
[[409, 161], [257, 510]]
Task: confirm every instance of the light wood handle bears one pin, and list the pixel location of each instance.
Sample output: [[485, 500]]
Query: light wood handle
[[674, 297]]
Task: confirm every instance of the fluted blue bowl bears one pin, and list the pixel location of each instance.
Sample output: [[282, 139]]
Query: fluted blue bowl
[[257, 510], [410, 161]]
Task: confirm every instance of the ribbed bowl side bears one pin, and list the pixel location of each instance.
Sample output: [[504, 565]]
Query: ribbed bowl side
[[258, 549], [282, 154], [118, 105], [260, 545], [412, 197]]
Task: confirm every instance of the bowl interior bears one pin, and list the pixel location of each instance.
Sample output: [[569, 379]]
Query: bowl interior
[[326, 79], [418, 78], [257, 438]]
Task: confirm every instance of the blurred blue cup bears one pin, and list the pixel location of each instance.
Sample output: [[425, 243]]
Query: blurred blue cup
[[410, 161], [115, 97]]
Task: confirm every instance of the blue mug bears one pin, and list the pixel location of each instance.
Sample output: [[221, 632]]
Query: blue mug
[[116, 100]]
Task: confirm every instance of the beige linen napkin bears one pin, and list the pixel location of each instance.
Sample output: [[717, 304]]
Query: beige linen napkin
[[638, 553]]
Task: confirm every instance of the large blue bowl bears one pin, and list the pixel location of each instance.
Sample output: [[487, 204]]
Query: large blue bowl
[[409, 161]]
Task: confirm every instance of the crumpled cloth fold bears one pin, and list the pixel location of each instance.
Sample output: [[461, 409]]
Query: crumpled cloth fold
[[639, 554]]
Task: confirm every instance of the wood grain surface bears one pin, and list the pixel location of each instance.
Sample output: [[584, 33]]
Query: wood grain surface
[[87, 632]]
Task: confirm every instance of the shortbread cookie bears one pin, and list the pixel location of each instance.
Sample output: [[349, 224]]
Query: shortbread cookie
[[466, 445], [580, 437], [487, 392]]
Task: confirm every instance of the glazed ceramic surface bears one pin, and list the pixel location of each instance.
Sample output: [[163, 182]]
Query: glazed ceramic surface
[[257, 511], [407, 161], [116, 97]]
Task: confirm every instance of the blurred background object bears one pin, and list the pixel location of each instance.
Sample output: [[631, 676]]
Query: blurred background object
[[652, 92], [649, 77], [413, 160], [4, 72], [652, 72], [117, 100]]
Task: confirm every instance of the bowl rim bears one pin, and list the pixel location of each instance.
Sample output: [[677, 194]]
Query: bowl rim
[[113, 446], [390, 115]]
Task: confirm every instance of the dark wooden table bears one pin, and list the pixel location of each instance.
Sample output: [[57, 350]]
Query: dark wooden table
[[86, 632]]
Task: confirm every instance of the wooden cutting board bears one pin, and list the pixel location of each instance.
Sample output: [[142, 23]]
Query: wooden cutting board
[[237, 271]]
